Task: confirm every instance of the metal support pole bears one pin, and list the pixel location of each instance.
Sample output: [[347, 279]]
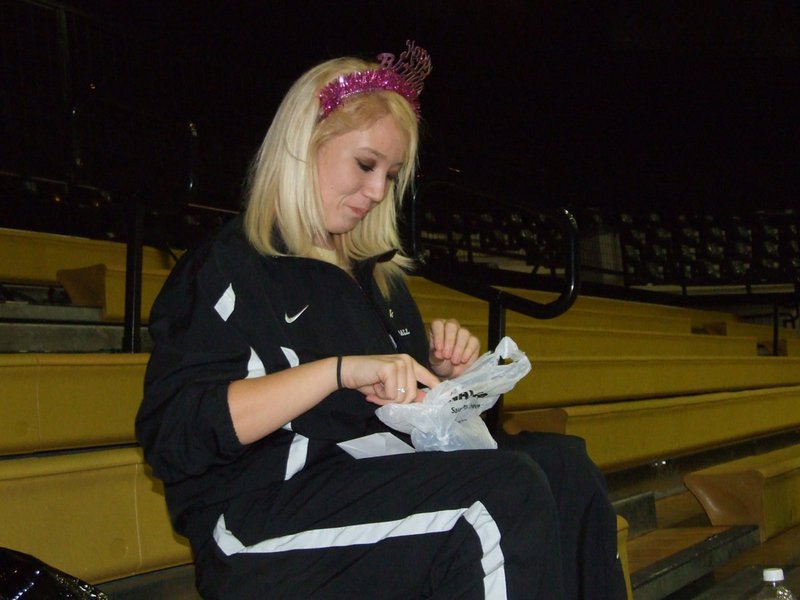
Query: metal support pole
[[497, 329], [131, 338]]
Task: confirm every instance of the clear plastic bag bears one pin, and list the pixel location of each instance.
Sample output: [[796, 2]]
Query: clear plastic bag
[[449, 417]]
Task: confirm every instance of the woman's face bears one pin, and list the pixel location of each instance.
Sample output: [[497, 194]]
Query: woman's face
[[354, 170]]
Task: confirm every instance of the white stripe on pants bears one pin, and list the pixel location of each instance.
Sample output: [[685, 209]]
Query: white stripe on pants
[[494, 582]]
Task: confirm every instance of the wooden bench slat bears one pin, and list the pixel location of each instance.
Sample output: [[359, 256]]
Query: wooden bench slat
[[789, 347], [471, 310], [698, 316], [37, 256], [569, 381], [624, 434], [539, 339], [788, 339], [759, 331], [90, 514], [58, 401], [103, 286], [763, 490], [105, 390]]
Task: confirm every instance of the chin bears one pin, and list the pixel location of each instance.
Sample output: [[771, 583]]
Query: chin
[[342, 229], [346, 225]]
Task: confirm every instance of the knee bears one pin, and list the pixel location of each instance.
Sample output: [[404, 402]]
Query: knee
[[555, 453], [521, 474]]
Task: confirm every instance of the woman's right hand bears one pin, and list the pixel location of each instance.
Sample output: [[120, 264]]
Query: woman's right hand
[[382, 378], [386, 378]]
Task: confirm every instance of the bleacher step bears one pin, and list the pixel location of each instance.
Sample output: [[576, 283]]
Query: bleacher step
[[48, 327], [25, 311], [689, 554], [176, 583], [64, 337], [639, 511]]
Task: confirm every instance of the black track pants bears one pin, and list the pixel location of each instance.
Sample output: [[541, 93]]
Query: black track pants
[[473, 524], [588, 523]]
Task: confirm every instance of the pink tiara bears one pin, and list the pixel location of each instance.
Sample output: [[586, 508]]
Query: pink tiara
[[404, 76]]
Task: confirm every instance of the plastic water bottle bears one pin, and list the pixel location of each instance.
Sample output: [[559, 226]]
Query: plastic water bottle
[[773, 586]]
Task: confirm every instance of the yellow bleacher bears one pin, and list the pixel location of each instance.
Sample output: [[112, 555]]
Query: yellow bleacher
[[639, 382], [74, 489], [104, 286], [98, 515], [622, 389], [464, 308], [667, 383], [91, 271], [545, 338], [59, 401], [763, 334], [37, 257], [636, 432]]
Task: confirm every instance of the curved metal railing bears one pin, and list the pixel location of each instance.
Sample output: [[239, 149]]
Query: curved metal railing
[[499, 300]]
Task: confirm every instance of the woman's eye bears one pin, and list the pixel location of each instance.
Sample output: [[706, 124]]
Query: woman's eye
[[367, 168], [392, 177]]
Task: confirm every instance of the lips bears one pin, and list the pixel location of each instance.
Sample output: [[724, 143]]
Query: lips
[[359, 212]]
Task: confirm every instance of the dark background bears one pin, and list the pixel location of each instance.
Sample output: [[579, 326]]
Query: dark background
[[686, 104]]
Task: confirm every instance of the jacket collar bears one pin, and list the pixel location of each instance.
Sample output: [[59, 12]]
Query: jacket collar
[[359, 266]]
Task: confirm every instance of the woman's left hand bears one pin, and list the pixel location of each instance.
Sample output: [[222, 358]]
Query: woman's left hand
[[452, 348]]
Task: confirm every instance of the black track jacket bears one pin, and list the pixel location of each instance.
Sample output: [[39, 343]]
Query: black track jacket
[[226, 313]]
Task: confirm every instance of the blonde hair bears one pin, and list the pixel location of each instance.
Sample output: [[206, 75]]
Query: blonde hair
[[283, 192]]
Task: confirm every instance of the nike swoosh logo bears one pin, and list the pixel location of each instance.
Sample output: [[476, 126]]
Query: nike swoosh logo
[[289, 319]]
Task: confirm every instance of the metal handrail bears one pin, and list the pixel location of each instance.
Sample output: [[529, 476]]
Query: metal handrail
[[500, 300], [537, 310]]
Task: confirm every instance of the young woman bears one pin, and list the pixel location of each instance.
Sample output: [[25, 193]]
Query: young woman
[[276, 342]]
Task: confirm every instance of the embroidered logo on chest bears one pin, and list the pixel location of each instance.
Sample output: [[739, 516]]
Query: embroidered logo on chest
[[292, 319]]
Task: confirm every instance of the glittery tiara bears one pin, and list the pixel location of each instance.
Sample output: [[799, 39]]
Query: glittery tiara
[[404, 76]]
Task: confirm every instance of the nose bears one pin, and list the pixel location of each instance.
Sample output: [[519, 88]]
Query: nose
[[375, 186]]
